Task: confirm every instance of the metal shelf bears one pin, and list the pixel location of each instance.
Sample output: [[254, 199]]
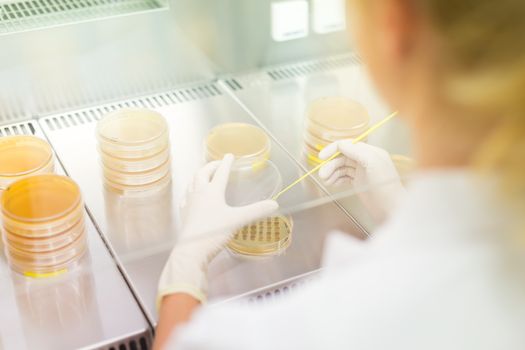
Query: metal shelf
[[278, 97], [141, 232], [89, 307]]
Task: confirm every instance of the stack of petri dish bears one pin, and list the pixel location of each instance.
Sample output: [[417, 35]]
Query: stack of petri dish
[[253, 178], [331, 119], [43, 225], [135, 150], [22, 156]]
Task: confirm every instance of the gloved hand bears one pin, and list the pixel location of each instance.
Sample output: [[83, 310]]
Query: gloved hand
[[208, 222], [369, 170]]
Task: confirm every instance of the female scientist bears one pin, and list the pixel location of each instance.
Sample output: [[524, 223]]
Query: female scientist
[[446, 270]]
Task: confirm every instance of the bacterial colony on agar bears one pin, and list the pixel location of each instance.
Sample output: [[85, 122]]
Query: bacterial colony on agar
[[254, 177], [134, 150]]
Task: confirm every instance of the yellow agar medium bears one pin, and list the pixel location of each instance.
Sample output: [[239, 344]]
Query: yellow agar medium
[[337, 154], [44, 275]]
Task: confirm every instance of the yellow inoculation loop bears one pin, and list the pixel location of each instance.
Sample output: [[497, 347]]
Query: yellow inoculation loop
[[44, 275], [336, 154]]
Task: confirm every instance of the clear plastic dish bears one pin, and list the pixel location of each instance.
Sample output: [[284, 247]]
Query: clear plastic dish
[[335, 118], [44, 229], [36, 269], [137, 190], [270, 236], [22, 156], [135, 164], [248, 143], [132, 133], [40, 198], [37, 245], [48, 258], [43, 224], [248, 185], [137, 178]]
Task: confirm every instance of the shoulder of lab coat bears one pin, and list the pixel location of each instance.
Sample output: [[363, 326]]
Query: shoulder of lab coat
[[434, 277]]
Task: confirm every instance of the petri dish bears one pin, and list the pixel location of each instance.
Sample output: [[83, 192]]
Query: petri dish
[[40, 198], [46, 228], [47, 265], [132, 133], [138, 178], [335, 118], [312, 155], [48, 258], [135, 164], [137, 190], [270, 236], [248, 143], [38, 244], [248, 185], [23, 155]]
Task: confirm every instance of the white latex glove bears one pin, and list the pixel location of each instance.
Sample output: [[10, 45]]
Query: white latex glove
[[208, 223], [369, 170]]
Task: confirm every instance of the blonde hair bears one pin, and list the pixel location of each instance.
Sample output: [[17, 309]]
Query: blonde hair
[[484, 48]]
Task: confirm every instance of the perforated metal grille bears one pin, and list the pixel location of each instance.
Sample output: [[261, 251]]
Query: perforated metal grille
[[282, 290], [140, 342], [25, 128], [25, 15], [309, 67], [91, 115], [276, 291]]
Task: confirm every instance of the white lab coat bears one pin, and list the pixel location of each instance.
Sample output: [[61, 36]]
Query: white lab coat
[[443, 273]]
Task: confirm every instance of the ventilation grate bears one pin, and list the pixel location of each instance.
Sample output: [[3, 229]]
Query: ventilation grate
[[277, 292], [310, 67], [31, 14], [91, 115], [142, 342], [233, 84], [25, 128]]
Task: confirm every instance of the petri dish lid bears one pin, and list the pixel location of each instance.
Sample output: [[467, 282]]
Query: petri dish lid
[[248, 184], [244, 141], [137, 190], [40, 198], [138, 178], [135, 164], [132, 133], [331, 117], [131, 126], [43, 244], [21, 155]]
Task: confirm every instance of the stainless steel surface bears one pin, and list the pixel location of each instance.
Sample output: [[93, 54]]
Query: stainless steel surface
[[278, 98], [237, 34], [88, 307], [89, 63], [277, 290], [17, 15], [141, 230]]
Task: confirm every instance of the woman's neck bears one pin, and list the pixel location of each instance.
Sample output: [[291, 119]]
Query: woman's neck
[[448, 137]]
